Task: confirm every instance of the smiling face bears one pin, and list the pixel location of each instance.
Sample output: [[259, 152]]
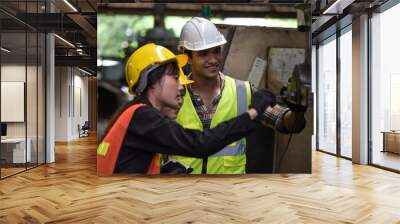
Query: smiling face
[[206, 63]]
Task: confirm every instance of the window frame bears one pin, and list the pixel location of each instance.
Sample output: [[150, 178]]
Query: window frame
[[342, 27], [378, 10]]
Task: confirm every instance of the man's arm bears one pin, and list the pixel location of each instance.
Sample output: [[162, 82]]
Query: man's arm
[[282, 118]]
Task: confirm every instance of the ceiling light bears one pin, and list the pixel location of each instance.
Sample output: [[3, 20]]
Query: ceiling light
[[80, 45], [5, 49], [80, 51], [65, 41], [70, 5], [84, 71], [337, 7]]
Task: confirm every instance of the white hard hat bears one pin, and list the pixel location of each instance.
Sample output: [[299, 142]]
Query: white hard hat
[[199, 34]]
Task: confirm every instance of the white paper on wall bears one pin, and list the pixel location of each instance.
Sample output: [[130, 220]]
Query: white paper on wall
[[12, 101], [257, 71]]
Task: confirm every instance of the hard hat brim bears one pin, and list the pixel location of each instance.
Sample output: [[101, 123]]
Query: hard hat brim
[[183, 46], [183, 79], [182, 60]]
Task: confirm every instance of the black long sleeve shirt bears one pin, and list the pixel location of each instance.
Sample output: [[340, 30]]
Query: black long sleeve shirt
[[151, 132]]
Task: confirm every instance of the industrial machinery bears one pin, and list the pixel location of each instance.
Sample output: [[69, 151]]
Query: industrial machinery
[[295, 94]]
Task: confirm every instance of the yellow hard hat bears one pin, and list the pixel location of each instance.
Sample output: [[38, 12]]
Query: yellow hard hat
[[146, 57]]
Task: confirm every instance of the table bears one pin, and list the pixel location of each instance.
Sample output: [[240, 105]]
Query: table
[[15, 148], [391, 141]]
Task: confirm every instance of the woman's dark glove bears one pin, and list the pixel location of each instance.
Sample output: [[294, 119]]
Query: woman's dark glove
[[175, 167], [261, 99]]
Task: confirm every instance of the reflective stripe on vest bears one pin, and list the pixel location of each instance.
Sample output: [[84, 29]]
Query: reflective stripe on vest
[[238, 148], [234, 101], [108, 150]]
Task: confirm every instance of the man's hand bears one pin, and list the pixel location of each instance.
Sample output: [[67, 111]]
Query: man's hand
[[261, 99], [296, 107]]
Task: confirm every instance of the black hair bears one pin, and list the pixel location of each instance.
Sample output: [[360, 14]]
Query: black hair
[[188, 53], [156, 75]]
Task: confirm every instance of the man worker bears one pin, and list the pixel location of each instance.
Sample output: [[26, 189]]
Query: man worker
[[141, 130], [214, 98]]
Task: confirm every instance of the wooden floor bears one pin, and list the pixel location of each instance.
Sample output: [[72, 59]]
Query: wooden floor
[[70, 192], [10, 171], [5, 172]]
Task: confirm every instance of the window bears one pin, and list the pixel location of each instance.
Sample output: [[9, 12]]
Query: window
[[346, 93], [327, 96], [385, 88], [22, 76]]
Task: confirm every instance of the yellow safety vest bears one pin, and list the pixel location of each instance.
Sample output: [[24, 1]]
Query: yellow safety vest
[[235, 99]]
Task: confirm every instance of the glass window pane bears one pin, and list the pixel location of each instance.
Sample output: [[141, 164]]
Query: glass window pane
[[346, 94], [14, 153], [22, 72], [31, 97], [41, 98], [327, 97], [385, 114]]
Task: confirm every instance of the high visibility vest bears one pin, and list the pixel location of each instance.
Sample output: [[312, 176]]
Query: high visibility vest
[[108, 150], [235, 99]]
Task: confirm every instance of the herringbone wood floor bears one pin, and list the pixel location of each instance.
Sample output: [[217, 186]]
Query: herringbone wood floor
[[70, 192]]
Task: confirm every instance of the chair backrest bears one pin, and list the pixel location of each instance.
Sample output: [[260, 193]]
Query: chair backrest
[[86, 125]]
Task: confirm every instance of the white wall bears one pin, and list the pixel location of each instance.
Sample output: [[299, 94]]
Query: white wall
[[33, 126], [15, 73], [61, 103], [71, 94], [81, 84]]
